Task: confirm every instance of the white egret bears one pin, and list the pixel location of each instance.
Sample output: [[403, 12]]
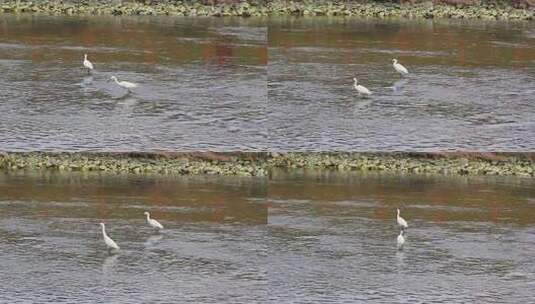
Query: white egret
[[125, 84], [87, 64], [401, 240], [109, 242], [399, 68], [401, 222], [152, 222], [361, 89]]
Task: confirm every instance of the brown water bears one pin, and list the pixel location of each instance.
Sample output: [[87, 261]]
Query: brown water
[[471, 85], [333, 239], [302, 237], [202, 83], [51, 249], [208, 84]]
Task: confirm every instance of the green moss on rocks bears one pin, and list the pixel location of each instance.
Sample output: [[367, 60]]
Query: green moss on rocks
[[179, 164], [260, 164], [269, 8], [429, 163], [373, 9], [171, 8]]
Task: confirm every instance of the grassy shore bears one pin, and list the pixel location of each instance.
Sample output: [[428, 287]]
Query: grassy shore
[[370, 9], [260, 164]]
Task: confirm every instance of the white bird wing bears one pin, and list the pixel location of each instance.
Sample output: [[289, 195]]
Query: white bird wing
[[400, 68], [127, 84], [402, 222], [111, 243], [88, 64], [365, 90], [157, 224]]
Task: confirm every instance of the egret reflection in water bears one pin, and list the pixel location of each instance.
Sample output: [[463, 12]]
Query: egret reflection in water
[[182, 65], [86, 81], [153, 240], [333, 236], [52, 248], [398, 85], [109, 263], [310, 58]]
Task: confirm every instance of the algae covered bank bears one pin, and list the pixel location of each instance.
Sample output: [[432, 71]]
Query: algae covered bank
[[263, 163], [514, 10]]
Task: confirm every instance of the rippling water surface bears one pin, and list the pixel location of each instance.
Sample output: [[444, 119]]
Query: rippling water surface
[[212, 251], [471, 85], [202, 83], [304, 237], [208, 84], [333, 239]]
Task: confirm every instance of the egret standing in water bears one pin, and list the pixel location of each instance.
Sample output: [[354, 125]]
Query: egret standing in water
[[125, 84], [152, 222], [361, 89], [401, 222], [401, 240], [87, 64], [109, 242], [399, 68]]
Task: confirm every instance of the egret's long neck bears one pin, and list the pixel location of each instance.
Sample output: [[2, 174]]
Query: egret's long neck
[[148, 216], [398, 213], [103, 231], [116, 81]]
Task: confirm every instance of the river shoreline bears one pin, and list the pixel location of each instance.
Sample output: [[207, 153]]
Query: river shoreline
[[367, 9], [261, 163]]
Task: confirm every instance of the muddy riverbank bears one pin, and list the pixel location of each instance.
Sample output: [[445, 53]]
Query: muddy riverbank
[[369, 9], [260, 164]]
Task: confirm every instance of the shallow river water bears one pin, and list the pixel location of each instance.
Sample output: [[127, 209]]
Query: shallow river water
[[333, 239], [212, 251], [471, 85], [281, 84], [202, 83], [304, 237]]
